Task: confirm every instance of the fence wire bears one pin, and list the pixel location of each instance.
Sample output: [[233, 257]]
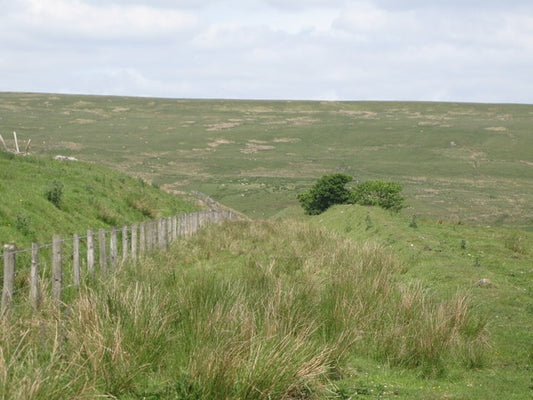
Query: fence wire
[[118, 245]]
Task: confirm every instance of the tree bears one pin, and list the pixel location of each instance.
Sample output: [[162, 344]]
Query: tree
[[327, 191], [378, 193]]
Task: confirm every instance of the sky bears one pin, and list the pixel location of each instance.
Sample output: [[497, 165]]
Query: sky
[[422, 50]]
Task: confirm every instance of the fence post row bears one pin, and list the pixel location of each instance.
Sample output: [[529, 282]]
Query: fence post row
[[143, 237]]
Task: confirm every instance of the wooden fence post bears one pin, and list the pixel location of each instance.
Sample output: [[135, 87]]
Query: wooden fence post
[[134, 242], [76, 271], [57, 272], [147, 236], [102, 249], [169, 231], [90, 251], [9, 277], [180, 225], [35, 289], [196, 220], [113, 247], [125, 245], [153, 235], [142, 239], [174, 228], [160, 233], [187, 224], [148, 233]]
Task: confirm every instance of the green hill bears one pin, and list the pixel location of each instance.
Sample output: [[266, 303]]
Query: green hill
[[87, 196], [457, 161], [433, 303], [492, 265]]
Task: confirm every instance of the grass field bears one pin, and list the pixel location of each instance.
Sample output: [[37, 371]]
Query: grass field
[[459, 162], [355, 303]]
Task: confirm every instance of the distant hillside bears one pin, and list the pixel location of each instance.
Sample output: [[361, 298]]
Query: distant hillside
[[457, 161], [40, 197]]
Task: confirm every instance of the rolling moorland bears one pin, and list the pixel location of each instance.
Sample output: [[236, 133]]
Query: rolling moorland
[[433, 303], [459, 162]]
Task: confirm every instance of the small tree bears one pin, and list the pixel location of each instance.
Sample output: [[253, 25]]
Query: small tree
[[327, 191], [378, 193], [54, 193]]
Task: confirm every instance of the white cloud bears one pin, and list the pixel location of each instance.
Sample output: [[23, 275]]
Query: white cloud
[[85, 20], [332, 49]]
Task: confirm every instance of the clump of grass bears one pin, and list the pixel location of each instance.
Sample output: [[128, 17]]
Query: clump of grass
[[516, 242]]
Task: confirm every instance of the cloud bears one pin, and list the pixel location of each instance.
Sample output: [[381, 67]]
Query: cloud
[[80, 19], [330, 49]]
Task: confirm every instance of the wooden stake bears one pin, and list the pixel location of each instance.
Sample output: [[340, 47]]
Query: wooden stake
[[9, 277], [27, 146], [57, 272], [16, 142], [103, 252], [90, 251], [3, 143], [76, 271], [35, 289]]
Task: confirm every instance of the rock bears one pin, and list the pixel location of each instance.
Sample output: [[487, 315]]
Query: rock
[[485, 283], [65, 158]]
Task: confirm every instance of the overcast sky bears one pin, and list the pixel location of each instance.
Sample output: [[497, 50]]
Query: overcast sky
[[449, 50]]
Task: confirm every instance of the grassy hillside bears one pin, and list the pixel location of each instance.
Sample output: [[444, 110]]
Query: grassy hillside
[[459, 162], [253, 310], [492, 265], [89, 196]]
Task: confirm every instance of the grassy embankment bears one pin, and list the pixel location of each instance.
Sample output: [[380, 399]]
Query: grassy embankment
[[91, 197], [249, 310], [492, 266]]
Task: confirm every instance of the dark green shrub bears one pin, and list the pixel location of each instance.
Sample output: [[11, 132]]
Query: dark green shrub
[[378, 193], [327, 191], [23, 224], [54, 193]]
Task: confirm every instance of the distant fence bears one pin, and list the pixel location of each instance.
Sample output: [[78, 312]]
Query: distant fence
[[97, 251]]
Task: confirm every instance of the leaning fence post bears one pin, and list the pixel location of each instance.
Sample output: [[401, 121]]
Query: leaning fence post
[[102, 250], [76, 272], [57, 273], [9, 276], [90, 251], [35, 290]]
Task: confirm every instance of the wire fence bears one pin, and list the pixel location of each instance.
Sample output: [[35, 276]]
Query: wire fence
[[30, 274]]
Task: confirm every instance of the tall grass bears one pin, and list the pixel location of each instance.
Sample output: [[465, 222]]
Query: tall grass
[[248, 310]]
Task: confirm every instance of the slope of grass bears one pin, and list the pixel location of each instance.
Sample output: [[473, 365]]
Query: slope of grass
[[469, 162], [90, 197], [248, 310], [492, 265]]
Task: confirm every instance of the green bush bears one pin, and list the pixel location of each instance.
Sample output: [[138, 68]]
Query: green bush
[[54, 193], [378, 193], [327, 191], [330, 190]]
